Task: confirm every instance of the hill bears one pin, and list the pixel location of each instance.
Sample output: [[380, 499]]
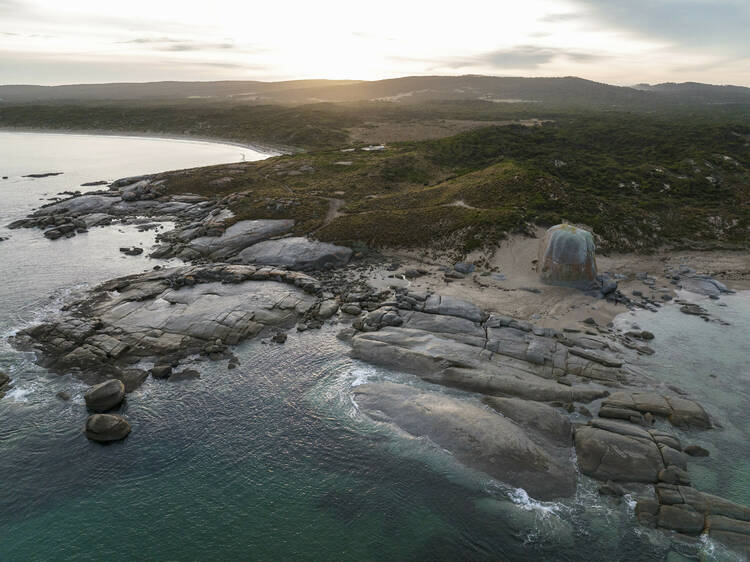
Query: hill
[[406, 90]]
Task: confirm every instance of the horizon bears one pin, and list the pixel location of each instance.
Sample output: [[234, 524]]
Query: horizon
[[82, 42], [356, 80]]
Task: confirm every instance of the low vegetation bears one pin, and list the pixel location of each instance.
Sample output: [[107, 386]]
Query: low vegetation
[[638, 181], [641, 169]]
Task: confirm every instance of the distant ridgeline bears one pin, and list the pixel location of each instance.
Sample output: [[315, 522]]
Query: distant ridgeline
[[641, 167]]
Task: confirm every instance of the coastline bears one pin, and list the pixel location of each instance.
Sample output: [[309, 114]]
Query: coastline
[[513, 287], [520, 295], [264, 148]]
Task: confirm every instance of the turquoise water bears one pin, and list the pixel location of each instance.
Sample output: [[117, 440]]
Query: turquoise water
[[711, 362], [267, 461]]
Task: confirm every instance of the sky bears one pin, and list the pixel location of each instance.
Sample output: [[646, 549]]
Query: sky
[[614, 41]]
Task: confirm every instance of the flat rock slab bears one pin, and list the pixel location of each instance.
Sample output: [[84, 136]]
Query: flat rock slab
[[297, 253], [172, 312], [239, 236], [477, 437], [704, 286], [680, 411]]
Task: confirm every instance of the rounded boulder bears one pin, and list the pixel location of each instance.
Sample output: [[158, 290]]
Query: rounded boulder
[[106, 427], [105, 396], [567, 256]]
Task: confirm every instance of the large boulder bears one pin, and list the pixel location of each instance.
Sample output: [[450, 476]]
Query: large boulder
[[105, 396], [298, 253], [621, 453], [567, 256], [106, 427], [239, 236]]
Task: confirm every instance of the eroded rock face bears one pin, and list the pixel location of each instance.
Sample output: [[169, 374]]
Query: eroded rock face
[[567, 256], [686, 510], [452, 342], [106, 427], [680, 411], [476, 436], [530, 377]]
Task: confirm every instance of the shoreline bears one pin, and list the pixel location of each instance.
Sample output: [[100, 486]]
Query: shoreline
[[436, 325], [522, 295], [263, 148]]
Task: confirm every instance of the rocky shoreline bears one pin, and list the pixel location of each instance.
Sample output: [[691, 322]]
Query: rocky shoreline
[[542, 406]]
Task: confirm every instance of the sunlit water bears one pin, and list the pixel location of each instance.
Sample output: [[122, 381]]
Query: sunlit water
[[271, 460]]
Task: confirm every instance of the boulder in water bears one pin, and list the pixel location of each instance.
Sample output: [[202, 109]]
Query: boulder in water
[[106, 427], [567, 256], [105, 396], [4, 383]]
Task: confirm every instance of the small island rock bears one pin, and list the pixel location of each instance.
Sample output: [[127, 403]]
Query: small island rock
[[106, 427]]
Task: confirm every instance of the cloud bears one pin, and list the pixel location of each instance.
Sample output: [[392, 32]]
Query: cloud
[[25, 68], [149, 40], [708, 25], [8, 6], [558, 18], [527, 57], [178, 45]]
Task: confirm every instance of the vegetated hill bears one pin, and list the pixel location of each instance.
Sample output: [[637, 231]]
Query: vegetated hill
[[418, 89], [406, 90], [171, 90], [695, 92], [639, 181]]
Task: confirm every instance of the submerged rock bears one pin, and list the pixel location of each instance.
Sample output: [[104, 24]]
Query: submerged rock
[[106, 427], [161, 371], [132, 251], [4, 384], [567, 256], [184, 375], [132, 379], [476, 436]]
